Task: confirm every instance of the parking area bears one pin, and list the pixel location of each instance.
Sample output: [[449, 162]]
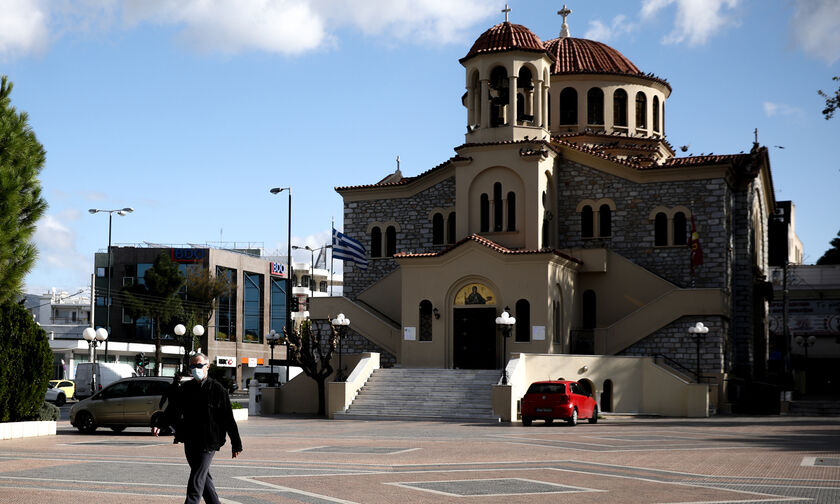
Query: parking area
[[308, 460]]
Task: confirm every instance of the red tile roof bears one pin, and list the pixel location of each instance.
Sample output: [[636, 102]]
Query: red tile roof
[[404, 180], [505, 37], [491, 245]]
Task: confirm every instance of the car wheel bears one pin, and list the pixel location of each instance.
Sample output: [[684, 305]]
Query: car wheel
[[85, 422], [118, 428], [60, 400], [572, 420], [594, 417], [526, 421], [549, 421]]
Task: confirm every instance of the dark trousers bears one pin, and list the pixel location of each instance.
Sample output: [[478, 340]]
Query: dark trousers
[[200, 483]]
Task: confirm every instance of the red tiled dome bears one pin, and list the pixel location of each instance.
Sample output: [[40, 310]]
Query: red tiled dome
[[505, 37], [574, 55]]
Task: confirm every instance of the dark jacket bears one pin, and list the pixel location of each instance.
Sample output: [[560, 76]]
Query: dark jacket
[[201, 416]]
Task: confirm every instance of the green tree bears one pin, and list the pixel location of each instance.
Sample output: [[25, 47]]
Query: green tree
[[21, 204], [25, 363], [202, 293], [832, 255], [308, 350], [832, 103], [157, 298]]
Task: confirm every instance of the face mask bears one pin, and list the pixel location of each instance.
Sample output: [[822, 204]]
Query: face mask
[[198, 374]]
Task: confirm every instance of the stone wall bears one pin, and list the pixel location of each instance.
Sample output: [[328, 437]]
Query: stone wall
[[354, 343]]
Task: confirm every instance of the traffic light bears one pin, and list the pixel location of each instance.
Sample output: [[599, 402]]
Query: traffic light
[[294, 304], [138, 360]]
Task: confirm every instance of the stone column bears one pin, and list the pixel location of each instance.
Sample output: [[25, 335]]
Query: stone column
[[470, 106], [511, 115], [538, 104], [484, 110]]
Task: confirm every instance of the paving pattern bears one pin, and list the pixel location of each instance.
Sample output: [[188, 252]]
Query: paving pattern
[[721, 460]]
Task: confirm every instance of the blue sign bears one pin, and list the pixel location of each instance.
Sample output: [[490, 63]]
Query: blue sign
[[278, 269], [182, 255]]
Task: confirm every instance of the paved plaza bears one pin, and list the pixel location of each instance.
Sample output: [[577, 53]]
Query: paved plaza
[[316, 461]]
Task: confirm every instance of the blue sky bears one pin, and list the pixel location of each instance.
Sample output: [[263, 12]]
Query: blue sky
[[191, 110]]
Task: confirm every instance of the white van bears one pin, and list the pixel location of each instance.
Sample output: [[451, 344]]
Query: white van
[[106, 374]]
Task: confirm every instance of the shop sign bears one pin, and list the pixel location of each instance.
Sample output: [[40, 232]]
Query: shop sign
[[225, 361]]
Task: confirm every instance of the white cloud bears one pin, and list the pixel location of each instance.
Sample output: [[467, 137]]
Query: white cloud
[[773, 109], [57, 245], [604, 33], [287, 27], [23, 27], [815, 28], [695, 20]]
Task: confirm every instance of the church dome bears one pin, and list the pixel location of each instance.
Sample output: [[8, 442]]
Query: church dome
[[574, 55], [505, 37]]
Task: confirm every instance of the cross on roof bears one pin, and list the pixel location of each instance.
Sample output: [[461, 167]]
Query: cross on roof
[[564, 30], [506, 10]]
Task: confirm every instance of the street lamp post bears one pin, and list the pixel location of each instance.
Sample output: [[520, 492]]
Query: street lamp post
[[505, 322], [272, 338], [121, 212], [278, 190], [698, 330], [198, 331], [340, 323], [94, 337]]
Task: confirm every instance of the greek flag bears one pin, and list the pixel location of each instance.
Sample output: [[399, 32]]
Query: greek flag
[[348, 249]]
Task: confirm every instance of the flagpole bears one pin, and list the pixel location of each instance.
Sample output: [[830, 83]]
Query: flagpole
[[332, 256]]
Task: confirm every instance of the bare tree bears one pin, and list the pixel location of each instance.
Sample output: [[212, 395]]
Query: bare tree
[[312, 352]]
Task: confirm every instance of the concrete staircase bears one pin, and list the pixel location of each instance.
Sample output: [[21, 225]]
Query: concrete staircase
[[434, 394], [815, 408]]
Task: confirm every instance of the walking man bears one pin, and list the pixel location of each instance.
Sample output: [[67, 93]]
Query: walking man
[[201, 416]]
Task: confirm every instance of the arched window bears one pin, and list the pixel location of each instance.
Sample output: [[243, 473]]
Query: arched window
[[376, 242], [390, 241], [680, 235], [589, 309], [511, 211], [425, 320], [568, 106], [605, 218], [660, 230], [437, 229], [498, 209], [587, 225], [595, 106], [523, 321], [485, 213], [499, 95], [641, 110], [620, 107], [450, 228], [656, 113]]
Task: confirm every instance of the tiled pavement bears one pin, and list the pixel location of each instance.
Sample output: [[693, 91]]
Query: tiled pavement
[[305, 460]]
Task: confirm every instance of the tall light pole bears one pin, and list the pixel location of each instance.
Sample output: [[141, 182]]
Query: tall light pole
[[272, 338], [278, 190], [94, 337], [121, 212]]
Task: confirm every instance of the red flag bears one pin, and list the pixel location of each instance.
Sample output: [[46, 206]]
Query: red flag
[[696, 250]]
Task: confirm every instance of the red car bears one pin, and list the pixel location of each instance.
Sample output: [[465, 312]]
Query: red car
[[562, 399]]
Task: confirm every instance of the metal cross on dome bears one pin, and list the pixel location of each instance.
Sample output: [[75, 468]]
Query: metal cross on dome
[[506, 10], [565, 11]]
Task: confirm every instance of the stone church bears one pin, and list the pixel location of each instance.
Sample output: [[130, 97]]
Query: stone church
[[565, 205]]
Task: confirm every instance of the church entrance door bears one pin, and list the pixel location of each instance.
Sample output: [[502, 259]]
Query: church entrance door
[[475, 338]]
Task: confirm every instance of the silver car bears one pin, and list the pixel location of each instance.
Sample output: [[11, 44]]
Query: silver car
[[130, 402]]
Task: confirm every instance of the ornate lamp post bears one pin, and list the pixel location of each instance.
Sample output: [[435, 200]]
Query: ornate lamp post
[[121, 212], [94, 337], [198, 331], [272, 338], [340, 323], [698, 330], [505, 322]]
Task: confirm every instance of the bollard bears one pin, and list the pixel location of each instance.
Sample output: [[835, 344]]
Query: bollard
[[254, 398]]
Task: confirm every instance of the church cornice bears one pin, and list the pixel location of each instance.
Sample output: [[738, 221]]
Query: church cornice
[[405, 187], [490, 244]]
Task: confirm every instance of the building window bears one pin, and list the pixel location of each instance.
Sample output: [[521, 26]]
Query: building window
[[376, 242], [390, 241], [523, 321], [100, 272], [589, 307], [425, 320], [680, 233], [641, 110], [568, 106], [595, 106], [497, 207], [437, 229], [511, 211], [322, 286], [226, 307], [485, 213], [620, 107], [450, 228], [605, 221], [587, 223], [277, 304], [252, 308], [656, 113], [660, 230]]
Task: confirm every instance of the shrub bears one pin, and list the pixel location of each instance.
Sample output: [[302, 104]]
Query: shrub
[[25, 363], [236, 405], [48, 411]]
